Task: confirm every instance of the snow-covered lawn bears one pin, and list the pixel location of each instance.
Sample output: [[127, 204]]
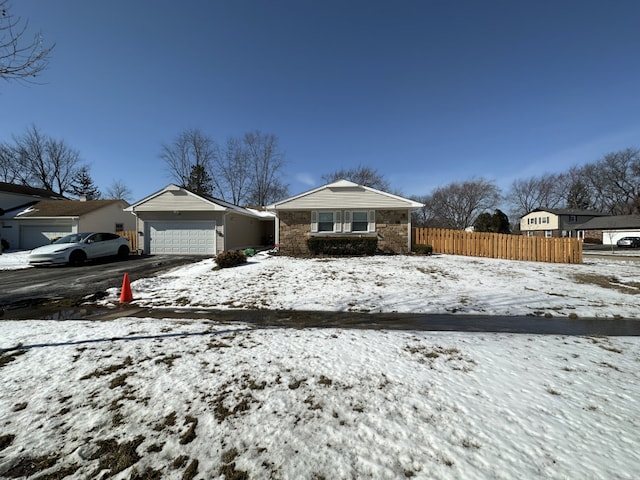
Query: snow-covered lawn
[[145, 398], [162, 398], [435, 284]]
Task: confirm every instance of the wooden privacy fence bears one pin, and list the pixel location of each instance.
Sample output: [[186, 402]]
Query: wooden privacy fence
[[132, 236], [498, 245]]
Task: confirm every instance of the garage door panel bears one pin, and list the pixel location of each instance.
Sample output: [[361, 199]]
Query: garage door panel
[[32, 236], [184, 237]]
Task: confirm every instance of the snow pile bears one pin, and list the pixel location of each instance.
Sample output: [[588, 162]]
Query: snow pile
[[14, 260], [176, 399], [417, 284]]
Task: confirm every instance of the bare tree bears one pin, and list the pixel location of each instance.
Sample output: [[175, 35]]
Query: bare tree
[[232, 171], [8, 163], [367, 176], [44, 162], [423, 217], [547, 190], [614, 181], [20, 58], [191, 149], [118, 190], [458, 204], [265, 161]]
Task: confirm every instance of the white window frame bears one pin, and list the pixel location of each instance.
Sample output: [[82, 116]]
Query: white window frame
[[336, 219], [548, 234], [338, 225]]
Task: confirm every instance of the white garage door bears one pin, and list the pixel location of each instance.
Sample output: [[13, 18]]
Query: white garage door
[[32, 236], [190, 238]]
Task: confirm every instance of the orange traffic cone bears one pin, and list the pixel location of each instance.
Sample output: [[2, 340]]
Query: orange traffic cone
[[125, 292]]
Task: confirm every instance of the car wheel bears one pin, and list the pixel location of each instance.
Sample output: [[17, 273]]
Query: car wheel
[[123, 252], [77, 258]]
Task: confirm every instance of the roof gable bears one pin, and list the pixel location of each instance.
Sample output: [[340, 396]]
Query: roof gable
[[175, 198], [344, 194]]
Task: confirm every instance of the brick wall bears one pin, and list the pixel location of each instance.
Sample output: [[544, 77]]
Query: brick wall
[[391, 227], [295, 228], [393, 231]]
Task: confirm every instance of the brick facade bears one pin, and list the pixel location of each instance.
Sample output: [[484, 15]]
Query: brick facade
[[391, 227]]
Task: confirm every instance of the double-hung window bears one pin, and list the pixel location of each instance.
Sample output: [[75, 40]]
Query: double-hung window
[[326, 222], [360, 221]]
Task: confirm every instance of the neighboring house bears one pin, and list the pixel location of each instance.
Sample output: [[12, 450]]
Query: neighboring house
[[343, 208], [14, 196], [555, 222], [175, 220], [41, 222], [609, 229]]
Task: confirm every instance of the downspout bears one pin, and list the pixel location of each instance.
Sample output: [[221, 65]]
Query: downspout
[[224, 233], [409, 232]]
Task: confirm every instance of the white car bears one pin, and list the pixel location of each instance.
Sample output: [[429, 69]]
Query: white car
[[76, 248]]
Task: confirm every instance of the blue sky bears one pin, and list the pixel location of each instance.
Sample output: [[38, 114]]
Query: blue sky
[[427, 92]]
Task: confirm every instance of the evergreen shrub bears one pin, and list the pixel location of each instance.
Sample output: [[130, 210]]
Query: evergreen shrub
[[343, 246]]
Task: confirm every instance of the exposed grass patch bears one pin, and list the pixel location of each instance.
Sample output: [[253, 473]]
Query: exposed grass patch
[[148, 474], [169, 421], [119, 381], [608, 282], [108, 370], [191, 470], [6, 440], [228, 469], [115, 456], [30, 466], [8, 357], [190, 434], [168, 360]]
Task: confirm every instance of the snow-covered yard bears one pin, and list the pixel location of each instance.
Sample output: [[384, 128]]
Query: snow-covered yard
[[165, 398]]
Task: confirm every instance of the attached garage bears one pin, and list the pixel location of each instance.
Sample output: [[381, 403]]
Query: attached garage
[[32, 236], [177, 221], [181, 237]]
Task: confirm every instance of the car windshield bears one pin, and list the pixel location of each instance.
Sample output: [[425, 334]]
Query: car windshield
[[73, 238]]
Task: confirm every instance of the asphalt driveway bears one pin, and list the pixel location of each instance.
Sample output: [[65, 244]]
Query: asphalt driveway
[[37, 286]]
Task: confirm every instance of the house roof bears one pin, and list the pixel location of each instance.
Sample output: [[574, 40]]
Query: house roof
[[611, 222], [65, 208], [30, 191], [346, 187], [569, 211], [216, 203]]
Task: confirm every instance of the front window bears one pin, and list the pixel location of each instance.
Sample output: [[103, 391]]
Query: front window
[[325, 221], [119, 227], [359, 222], [573, 218], [548, 234]]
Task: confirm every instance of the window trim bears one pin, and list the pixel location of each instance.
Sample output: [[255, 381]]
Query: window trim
[[342, 221]]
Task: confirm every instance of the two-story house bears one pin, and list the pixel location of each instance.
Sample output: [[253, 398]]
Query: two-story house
[[556, 222]]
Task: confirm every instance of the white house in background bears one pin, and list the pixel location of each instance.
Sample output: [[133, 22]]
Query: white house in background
[[344, 208], [556, 222], [611, 228], [41, 222], [175, 220]]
